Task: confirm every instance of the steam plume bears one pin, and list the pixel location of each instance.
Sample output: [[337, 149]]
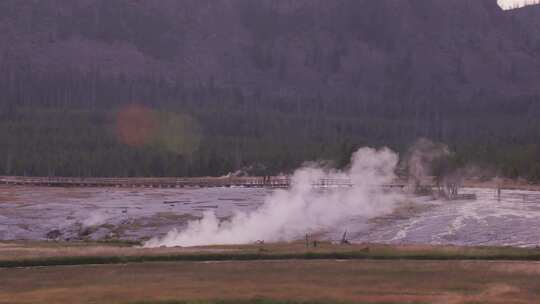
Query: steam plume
[[95, 219], [289, 214], [421, 157]]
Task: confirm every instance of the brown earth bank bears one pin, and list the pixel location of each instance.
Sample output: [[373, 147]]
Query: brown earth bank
[[509, 184]]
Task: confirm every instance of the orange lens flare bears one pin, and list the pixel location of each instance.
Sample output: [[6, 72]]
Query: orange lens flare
[[136, 125]]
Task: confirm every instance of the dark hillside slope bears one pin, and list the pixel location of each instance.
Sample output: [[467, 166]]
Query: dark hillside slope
[[234, 76]]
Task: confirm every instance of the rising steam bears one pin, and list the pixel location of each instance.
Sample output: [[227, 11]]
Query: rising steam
[[95, 219], [289, 214]]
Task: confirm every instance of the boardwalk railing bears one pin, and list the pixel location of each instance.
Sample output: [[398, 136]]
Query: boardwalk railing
[[260, 182], [170, 182], [526, 198], [144, 182]]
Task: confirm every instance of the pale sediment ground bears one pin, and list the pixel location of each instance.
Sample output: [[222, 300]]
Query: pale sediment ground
[[41, 213], [514, 220]]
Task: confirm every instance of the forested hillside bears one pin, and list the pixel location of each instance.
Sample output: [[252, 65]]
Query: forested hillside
[[206, 87]]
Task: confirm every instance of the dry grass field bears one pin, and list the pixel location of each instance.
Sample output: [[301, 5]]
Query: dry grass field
[[285, 273], [324, 281]]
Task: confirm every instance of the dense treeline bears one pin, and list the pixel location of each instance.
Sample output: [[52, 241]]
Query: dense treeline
[[43, 133], [121, 88]]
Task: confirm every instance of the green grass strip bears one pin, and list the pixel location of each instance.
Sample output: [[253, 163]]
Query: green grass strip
[[87, 260]]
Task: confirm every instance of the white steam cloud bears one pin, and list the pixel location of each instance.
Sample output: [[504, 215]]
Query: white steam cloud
[[289, 214], [95, 219], [511, 4]]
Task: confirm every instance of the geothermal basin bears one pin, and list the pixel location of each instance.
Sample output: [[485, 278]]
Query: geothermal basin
[[71, 214]]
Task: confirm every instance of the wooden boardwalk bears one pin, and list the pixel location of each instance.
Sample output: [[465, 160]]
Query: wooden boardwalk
[[167, 182], [206, 182]]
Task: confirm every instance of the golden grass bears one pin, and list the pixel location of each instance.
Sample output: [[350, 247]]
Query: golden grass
[[401, 280], [299, 280]]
